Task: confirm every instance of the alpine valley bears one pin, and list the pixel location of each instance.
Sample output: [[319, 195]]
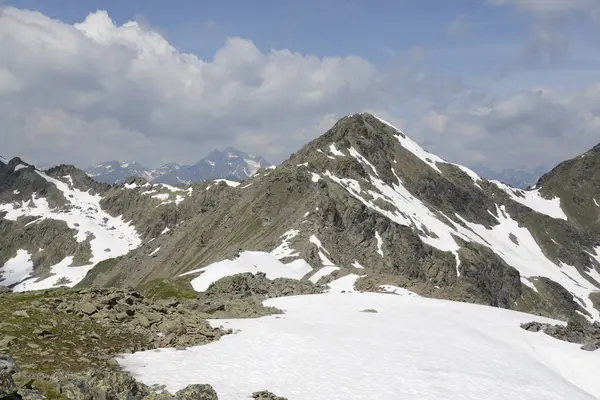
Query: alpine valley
[[361, 267]]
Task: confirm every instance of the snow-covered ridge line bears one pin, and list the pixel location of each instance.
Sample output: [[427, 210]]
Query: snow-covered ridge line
[[529, 198], [425, 156]]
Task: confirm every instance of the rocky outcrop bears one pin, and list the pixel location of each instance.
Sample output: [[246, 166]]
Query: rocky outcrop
[[241, 295], [577, 183], [98, 385], [577, 330], [266, 395], [73, 330]]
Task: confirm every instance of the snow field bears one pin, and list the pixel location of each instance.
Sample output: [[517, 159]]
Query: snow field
[[324, 347]]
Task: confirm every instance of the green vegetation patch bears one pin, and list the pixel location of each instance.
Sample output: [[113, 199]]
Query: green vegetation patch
[[168, 288], [43, 340]]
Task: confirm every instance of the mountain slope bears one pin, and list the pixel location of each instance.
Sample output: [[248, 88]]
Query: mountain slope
[[577, 183], [365, 199], [56, 225]]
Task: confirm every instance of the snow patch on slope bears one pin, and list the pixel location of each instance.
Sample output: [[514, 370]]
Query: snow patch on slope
[[284, 250], [439, 233], [527, 257], [425, 349], [108, 236], [344, 284], [413, 147], [334, 150], [379, 243], [62, 275], [534, 200], [248, 261], [356, 264], [16, 269], [323, 272]]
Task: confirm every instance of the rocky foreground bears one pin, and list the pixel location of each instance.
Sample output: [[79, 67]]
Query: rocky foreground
[[65, 341]]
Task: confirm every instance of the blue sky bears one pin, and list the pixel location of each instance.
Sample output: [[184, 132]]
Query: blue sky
[[434, 60]]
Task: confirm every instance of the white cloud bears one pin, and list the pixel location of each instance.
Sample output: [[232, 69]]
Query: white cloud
[[552, 23], [95, 91], [71, 92], [548, 6], [530, 128]]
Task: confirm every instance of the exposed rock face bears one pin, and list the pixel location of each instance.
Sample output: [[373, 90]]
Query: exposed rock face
[[577, 183], [242, 295]]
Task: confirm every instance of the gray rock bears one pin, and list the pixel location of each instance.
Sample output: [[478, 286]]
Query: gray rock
[[21, 313], [578, 330], [6, 341], [7, 385], [88, 308], [197, 392], [590, 346], [266, 395], [143, 320]]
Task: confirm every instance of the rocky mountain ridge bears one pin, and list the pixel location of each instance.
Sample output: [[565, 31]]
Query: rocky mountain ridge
[[364, 200], [56, 225]]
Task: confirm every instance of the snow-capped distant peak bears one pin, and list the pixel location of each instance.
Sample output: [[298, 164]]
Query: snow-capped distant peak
[[229, 163], [117, 171]]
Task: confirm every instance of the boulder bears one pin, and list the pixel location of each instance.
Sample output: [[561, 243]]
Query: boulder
[[197, 392], [266, 395], [8, 389], [88, 308]]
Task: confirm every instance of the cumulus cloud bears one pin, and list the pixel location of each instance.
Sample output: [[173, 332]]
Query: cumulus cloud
[[549, 40], [76, 91], [95, 91], [532, 128]]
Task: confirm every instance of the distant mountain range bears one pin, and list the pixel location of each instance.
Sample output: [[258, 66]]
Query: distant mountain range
[[517, 178], [229, 163]]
